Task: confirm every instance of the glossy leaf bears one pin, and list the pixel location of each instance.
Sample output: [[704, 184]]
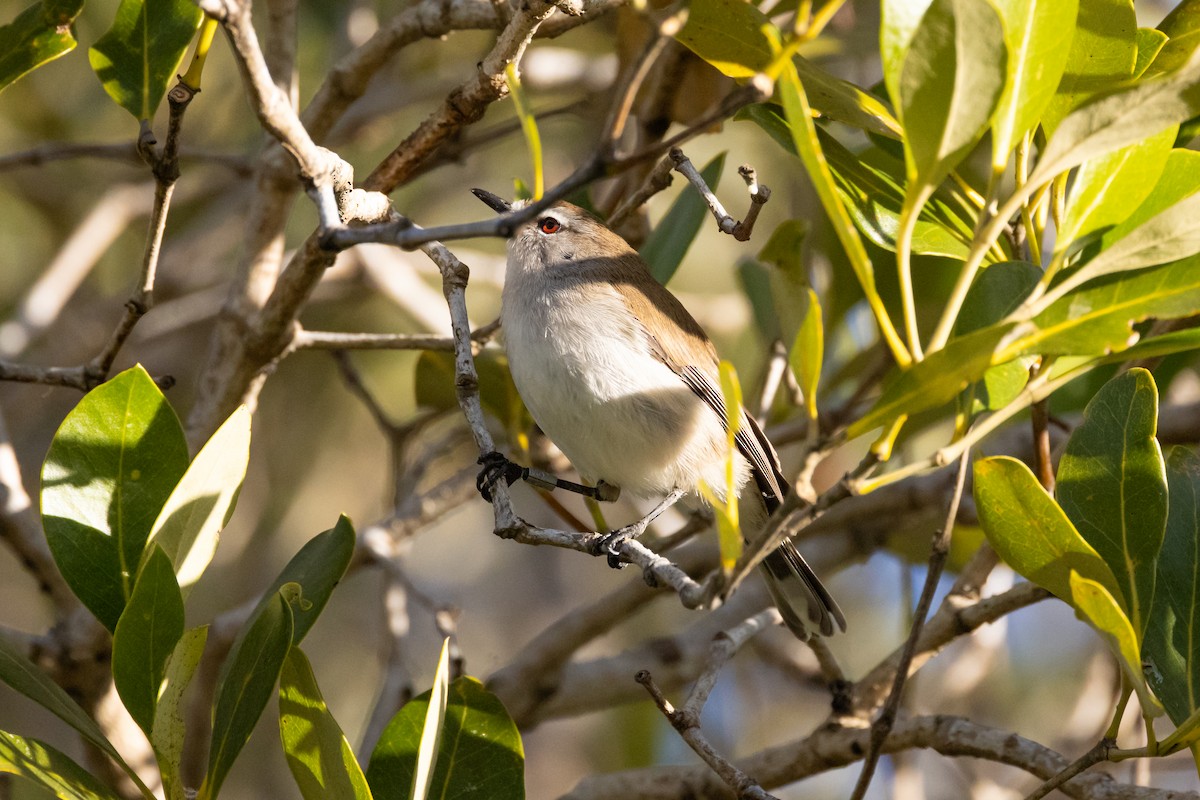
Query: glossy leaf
[[1030, 531], [1098, 318], [1102, 55], [934, 381], [899, 20], [191, 521], [320, 758], [32, 39], [951, 81], [1171, 651], [841, 100], [316, 570], [668, 243], [23, 676], [1112, 485], [432, 729], [50, 769], [1182, 27], [1179, 180], [870, 185], [480, 758], [111, 466], [1038, 35], [1120, 118], [145, 637], [1097, 606], [1150, 43], [729, 35], [142, 50], [1107, 189], [167, 736], [246, 683], [804, 137], [1172, 235], [808, 353], [729, 532], [997, 291]]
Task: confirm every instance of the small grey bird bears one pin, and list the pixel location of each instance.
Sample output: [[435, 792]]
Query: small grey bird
[[621, 377]]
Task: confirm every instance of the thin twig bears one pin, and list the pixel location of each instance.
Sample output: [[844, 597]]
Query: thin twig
[[1092, 757], [939, 551], [658, 180], [759, 195]]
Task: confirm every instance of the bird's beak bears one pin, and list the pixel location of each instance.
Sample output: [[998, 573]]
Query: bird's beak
[[495, 202]]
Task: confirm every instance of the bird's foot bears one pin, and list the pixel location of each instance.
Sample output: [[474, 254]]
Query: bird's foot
[[495, 468], [609, 544]]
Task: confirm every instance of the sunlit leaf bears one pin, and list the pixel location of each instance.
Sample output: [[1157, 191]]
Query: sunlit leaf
[[951, 81], [1182, 27], [142, 51], [1107, 189], [190, 523], [246, 683], [50, 769], [316, 570], [998, 290], [167, 736], [35, 38], [321, 760], [1096, 605], [727, 34], [1150, 43], [480, 758], [808, 353], [111, 466], [1102, 55], [841, 100], [1038, 34]]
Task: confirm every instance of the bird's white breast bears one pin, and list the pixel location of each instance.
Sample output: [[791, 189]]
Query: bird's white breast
[[584, 367]]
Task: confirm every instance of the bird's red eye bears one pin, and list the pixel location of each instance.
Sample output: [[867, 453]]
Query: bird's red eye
[[548, 225]]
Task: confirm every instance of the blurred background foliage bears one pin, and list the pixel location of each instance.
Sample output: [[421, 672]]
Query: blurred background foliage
[[317, 450]]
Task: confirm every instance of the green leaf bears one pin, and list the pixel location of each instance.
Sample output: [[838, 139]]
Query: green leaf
[[841, 100], [1030, 531], [785, 249], [952, 78], [316, 570], [871, 185], [1179, 180], [808, 353], [321, 760], [1171, 651], [50, 769], [190, 523], [899, 20], [142, 51], [1107, 189], [729, 35], [111, 466], [1120, 118], [997, 291], [934, 381], [1182, 27], [667, 244], [432, 729], [1112, 484], [25, 678], [146, 635], [1038, 35], [1096, 605], [1150, 43], [34, 38], [1172, 235], [480, 757], [1098, 319], [1102, 55], [1186, 735], [167, 735], [245, 684]]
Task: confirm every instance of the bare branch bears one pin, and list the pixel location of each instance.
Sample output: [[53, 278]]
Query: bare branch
[[759, 195]]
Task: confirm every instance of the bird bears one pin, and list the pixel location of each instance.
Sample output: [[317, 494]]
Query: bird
[[625, 382]]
